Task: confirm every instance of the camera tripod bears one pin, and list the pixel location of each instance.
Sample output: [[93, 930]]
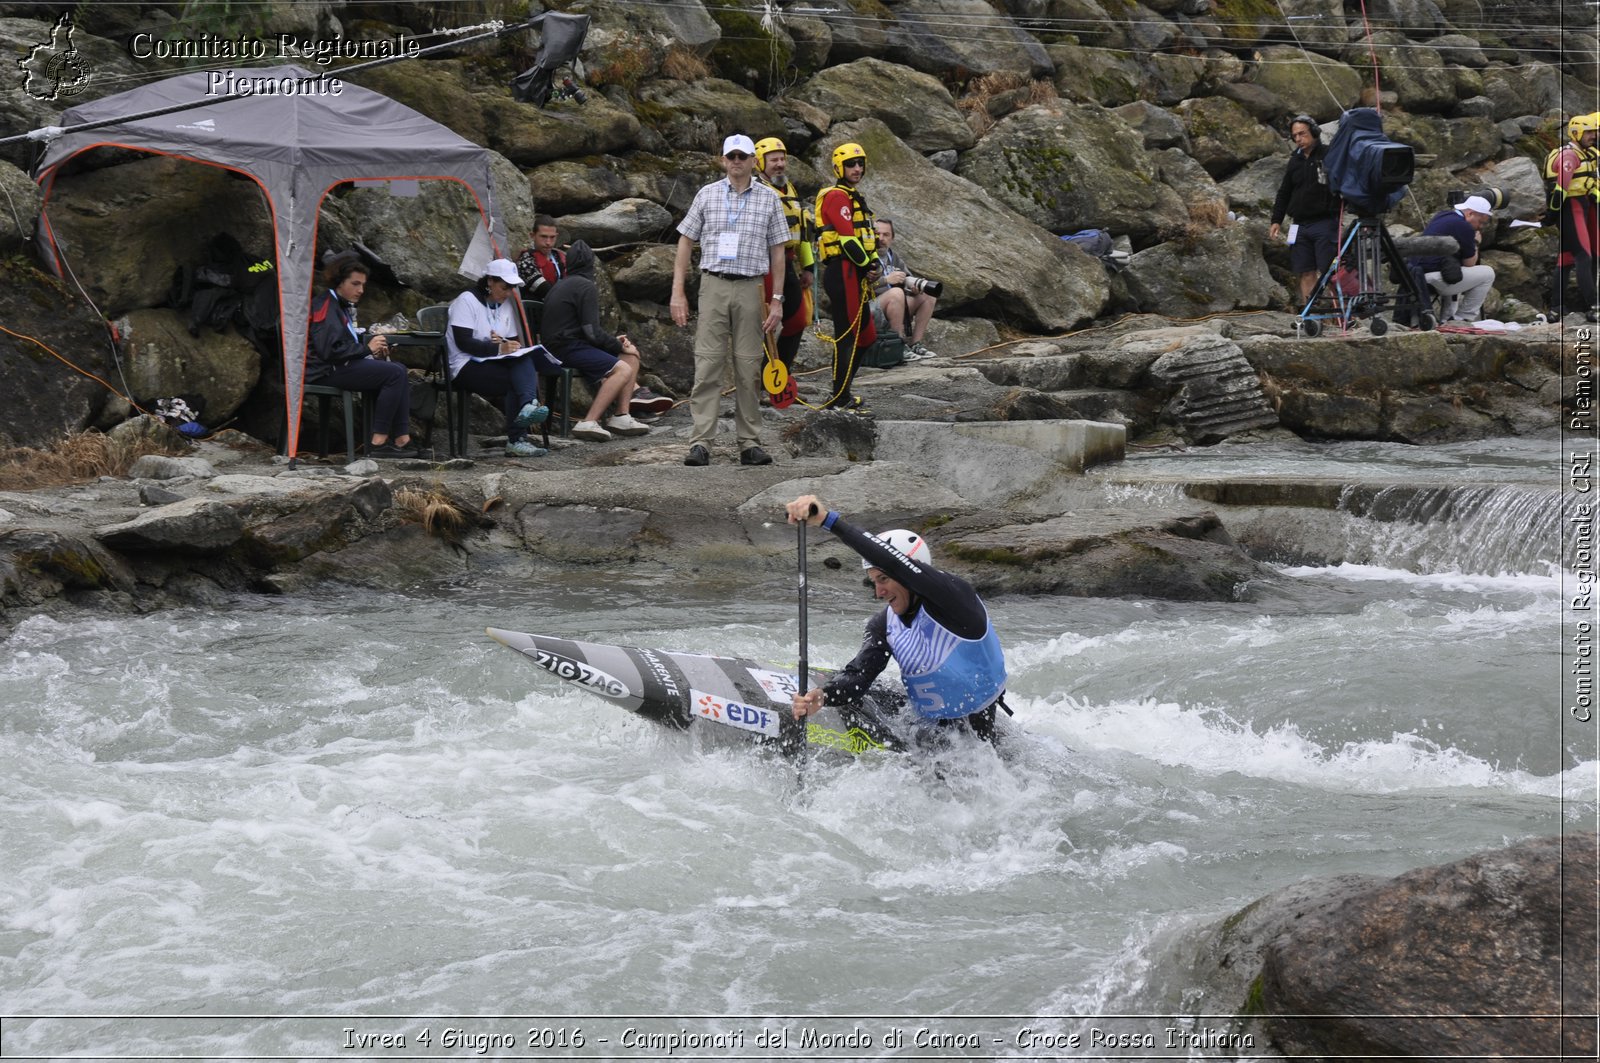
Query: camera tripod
[[1364, 296]]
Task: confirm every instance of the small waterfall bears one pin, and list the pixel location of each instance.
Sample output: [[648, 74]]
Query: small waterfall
[[1489, 529]]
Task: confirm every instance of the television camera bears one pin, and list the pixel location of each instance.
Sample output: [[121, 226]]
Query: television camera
[[1370, 173]]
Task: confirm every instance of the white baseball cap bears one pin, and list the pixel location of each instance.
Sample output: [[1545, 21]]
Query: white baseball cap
[[506, 270], [1477, 203], [739, 142]]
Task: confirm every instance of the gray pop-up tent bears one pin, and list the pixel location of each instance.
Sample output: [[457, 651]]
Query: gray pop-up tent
[[297, 143]]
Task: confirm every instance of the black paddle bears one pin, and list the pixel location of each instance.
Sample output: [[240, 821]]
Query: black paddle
[[794, 731]]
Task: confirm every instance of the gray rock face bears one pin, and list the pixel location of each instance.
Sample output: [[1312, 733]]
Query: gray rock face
[[1067, 167], [161, 467], [942, 36], [165, 360], [696, 115], [1308, 83], [1486, 952], [622, 222], [1224, 136], [915, 106], [1222, 270], [24, 197], [199, 524], [115, 226]]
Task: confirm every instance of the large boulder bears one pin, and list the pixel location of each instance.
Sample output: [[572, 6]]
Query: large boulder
[[1067, 167], [1224, 135], [944, 37], [1480, 957], [696, 115], [1417, 76], [623, 222], [858, 28], [915, 106], [60, 398], [163, 360], [1526, 88], [1221, 270], [1455, 142], [419, 230], [1096, 75], [1016, 272], [125, 229], [1308, 83], [25, 200]]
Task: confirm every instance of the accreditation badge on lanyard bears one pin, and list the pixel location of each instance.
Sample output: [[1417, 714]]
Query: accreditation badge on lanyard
[[728, 242]]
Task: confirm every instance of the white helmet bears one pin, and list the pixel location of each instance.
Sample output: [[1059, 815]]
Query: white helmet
[[909, 543]]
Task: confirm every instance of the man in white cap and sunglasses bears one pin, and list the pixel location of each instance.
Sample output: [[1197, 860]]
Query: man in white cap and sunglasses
[[1461, 281], [740, 227], [935, 627]]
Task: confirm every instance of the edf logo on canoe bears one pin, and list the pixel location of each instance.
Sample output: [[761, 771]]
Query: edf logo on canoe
[[734, 713]]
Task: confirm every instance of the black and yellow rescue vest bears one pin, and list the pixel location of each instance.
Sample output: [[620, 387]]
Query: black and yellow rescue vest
[[1585, 179], [800, 223], [860, 216]]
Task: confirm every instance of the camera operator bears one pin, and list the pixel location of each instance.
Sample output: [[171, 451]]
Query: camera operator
[[1462, 283], [1304, 195], [900, 294], [1573, 170]]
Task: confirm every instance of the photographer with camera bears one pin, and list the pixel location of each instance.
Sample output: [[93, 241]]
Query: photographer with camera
[[1304, 195], [1461, 282], [1573, 170], [901, 295]]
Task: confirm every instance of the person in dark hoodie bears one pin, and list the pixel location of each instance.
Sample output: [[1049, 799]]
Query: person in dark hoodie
[[610, 364]]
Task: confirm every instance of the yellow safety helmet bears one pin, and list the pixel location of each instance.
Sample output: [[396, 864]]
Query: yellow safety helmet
[[844, 153], [1581, 124], [763, 147]]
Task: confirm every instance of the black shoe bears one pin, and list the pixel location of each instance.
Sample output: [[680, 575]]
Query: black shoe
[[851, 403], [754, 456], [698, 456], [389, 450]]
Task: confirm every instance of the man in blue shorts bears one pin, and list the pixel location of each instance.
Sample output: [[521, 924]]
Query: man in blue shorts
[[572, 332], [1305, 196], [935, 627]]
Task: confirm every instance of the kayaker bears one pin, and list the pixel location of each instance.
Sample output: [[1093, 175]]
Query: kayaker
[[935, 627]]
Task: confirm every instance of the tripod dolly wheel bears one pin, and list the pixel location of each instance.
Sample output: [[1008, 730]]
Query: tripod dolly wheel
[[1378, 326], [1311, 328], [1429, 321]]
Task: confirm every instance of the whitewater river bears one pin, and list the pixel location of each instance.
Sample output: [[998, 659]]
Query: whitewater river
[[333, 826]]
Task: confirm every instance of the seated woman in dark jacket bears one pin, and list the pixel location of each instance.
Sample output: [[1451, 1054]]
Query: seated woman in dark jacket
[[343, 356]]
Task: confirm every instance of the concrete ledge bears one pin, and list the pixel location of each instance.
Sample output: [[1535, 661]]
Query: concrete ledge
[[986, 461]]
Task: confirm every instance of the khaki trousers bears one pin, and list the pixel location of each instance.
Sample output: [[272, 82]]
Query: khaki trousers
[[731, 312]]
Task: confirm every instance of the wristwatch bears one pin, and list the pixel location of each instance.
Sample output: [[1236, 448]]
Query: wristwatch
[[777, 298]]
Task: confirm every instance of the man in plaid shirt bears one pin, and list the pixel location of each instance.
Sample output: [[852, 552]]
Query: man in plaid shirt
[[740, 227]]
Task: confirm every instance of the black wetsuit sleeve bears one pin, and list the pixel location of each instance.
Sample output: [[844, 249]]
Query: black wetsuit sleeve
[[849, 684], [949, 599]]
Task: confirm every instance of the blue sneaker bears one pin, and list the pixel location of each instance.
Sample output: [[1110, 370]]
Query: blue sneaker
[[533, 413], [524, 449]]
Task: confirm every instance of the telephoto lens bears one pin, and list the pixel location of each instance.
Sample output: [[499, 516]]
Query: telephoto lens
[[924, 285]]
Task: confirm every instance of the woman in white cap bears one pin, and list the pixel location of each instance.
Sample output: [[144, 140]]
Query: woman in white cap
[[482, 340]]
